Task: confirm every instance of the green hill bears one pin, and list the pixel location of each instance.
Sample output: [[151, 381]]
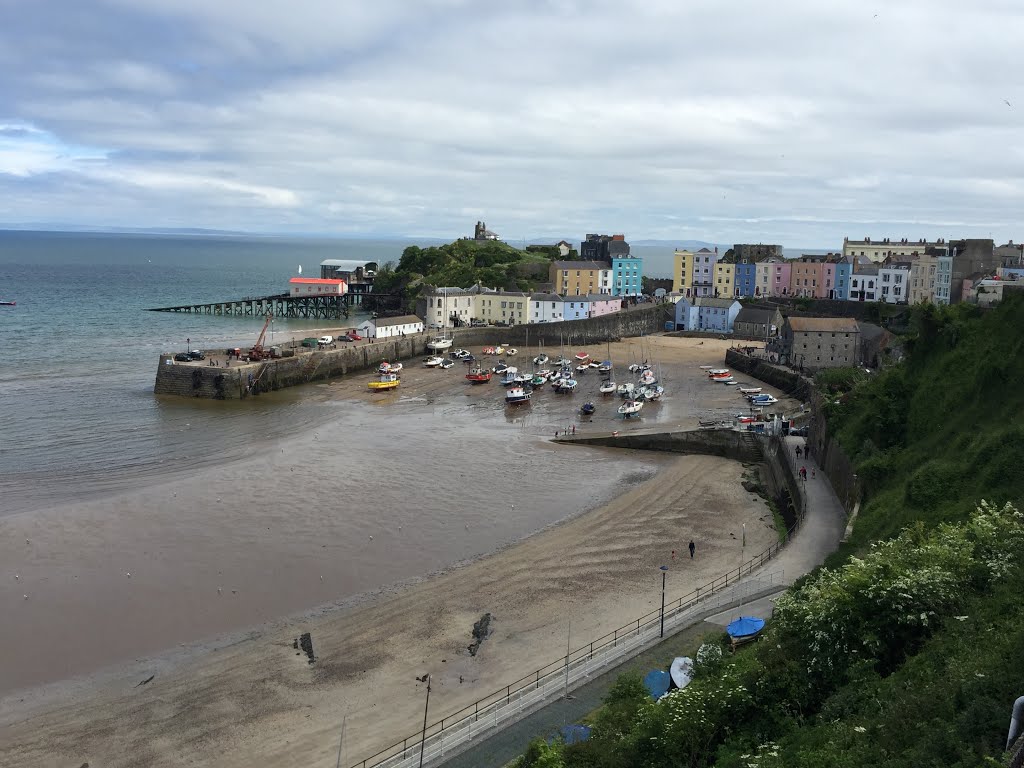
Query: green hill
[[905, 651]]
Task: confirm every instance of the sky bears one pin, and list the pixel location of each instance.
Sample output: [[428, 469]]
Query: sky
[[794, 122]]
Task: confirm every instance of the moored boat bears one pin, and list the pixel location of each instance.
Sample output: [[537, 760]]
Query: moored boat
[[588, 409], [582, 356], [750, 390], [540, 359], [516, 396], [626, 390], [478, 376], [8, 303], [386, 381], [565, 385], [582, 368], [508, 378], [631, 408], [440, 343], [433, 361], [446, 363], [607, 388], [538, 381]]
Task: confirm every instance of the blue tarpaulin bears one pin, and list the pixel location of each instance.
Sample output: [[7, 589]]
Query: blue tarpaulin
[[745, 626], [657, 682], [572, 734]]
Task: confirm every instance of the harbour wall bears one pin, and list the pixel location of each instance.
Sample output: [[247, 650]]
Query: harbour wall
[[790, 382], [241, 380]]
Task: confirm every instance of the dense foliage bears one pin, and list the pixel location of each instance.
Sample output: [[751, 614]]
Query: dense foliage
[[905, 650]]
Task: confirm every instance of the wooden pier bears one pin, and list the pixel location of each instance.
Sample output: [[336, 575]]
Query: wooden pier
[[280, 305]]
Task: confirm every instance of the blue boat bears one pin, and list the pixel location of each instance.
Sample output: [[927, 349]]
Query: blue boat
[[588, 409], [657, 682], [573, 734], [744, 628]]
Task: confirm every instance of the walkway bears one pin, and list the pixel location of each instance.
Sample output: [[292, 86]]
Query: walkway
[[818, 537]]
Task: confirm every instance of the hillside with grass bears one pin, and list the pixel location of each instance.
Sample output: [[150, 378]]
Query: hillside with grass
[[904, 650]]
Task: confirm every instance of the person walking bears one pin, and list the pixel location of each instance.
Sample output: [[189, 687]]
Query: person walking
[[798, 451], [692, 548]]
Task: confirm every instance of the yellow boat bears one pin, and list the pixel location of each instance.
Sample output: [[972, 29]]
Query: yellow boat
[[387, 381]]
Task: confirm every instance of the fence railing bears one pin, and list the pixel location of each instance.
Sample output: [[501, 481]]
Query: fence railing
[[548, 682]]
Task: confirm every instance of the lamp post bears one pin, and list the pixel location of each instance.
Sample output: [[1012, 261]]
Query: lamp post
[[423, 740], [664, 573]]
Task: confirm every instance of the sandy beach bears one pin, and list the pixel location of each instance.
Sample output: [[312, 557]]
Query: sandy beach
[[253, 700]]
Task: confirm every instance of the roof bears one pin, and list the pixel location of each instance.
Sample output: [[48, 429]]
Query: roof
[[755, 315], [821, 324], [710, 301], [403, 320], [545, 297], [316, 281], [582, 264], [704, 250], [601, 297]]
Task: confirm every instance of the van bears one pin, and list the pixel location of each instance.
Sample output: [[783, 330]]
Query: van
[[326, 339]]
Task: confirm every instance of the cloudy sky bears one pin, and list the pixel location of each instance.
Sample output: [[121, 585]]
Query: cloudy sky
[[795, 121]]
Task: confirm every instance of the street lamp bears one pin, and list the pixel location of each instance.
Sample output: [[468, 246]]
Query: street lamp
[[664, 573]]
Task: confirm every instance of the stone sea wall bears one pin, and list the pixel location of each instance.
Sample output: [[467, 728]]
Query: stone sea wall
[[244, 379], [790, 382]]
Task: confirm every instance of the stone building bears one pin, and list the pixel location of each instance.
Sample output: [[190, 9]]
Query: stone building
[[758, 323], [813, 343]]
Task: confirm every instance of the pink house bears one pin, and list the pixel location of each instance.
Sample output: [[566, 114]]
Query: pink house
[[772, 277], [807, 277], [316, 286], [603, 304]]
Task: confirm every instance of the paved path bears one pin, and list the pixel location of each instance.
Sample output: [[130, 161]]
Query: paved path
[[818, 537]]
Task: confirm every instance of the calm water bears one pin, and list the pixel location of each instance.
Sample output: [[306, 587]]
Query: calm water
[[80, 351]]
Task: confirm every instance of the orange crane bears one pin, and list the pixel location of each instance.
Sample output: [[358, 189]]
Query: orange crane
[[257, 352]]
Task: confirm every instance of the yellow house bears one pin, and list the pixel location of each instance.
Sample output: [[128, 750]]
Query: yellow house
[[725, 277], [682, 276], [511, 308], [577, 278]]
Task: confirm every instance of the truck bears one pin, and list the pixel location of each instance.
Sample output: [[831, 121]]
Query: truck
[[326, 339]]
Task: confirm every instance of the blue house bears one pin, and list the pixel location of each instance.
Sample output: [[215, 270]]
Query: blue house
[[626, 273], [576, 308], [844, 269], [745, 278], [705, 313]]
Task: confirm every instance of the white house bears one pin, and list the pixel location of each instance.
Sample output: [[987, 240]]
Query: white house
[[546, 308], [316, 286], [706, 313], [864, 285], [389, 327], [894, 283]]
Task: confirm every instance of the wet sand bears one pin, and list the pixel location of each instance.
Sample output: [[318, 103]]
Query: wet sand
[[248, 699]]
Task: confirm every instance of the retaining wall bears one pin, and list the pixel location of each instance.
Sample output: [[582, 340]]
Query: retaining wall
[[790, 382], [244, 379], [728, 443]]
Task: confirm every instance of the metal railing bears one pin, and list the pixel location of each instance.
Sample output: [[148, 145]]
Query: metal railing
[[552, 680]]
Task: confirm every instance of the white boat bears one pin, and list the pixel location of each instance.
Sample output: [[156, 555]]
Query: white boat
[[433, 362], [387, 367], [499, 350], [540, 360], [566, 385], [461, 354], [511, 352], [516, 395], [631, 408], [508, 378], [718, 371], [681, 671], [750, 390], [626, 390], [604, 367], [607, 388], [561, 361], [731, 383], [706, 367], [653, 392], [446, 363], [523, 378], [725, 380], [763, 400], [648, 378], [582, 368], [440, 343]]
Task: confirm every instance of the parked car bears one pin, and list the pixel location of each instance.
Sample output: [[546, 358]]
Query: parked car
[[353, 336], [326, 340], [477, 324], [195, 354], [183, 357], [799, 431]]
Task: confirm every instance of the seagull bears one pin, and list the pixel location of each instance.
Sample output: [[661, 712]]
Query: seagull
[[1006, 101]]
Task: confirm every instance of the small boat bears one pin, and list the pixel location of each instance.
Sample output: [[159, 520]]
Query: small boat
[[523, 378], [657, 682], [626, 390], [604, 367], [561, 361], [8, 303], [744, 629], [433, 362], [487, 351], [750, 390], [440, 343], [511, 352], [631, 408], [731, 383], [706, 367], [499, 350], [607, 388], [582, 368], [540, 360], [653, 392], [594, 364], [566, 385], [545, 372], [681, 671], [478, 376], [386, 381], [581, 356], [499, 368], [764, 400], [508, 378], [446, 364], [516, 395], [387, 367], [725, 380], [460, 354], [538, 381], [719, 372], [588, 409]]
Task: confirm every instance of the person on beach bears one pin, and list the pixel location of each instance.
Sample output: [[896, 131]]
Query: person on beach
[[803, 473], [798, 451], [692, 548], [814, 473]]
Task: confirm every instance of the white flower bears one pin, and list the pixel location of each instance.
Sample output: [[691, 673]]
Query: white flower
[[961, 618], [860, 729]]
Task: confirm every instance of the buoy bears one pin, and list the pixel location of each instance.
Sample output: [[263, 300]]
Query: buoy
[[16, 577], [127, 574], [371, 538]]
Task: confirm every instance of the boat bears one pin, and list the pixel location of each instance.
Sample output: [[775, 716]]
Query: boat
[[731, 383], [538, 381], [744, 629], [516, 396], [626, 390], [764, 400], [653, 392], [648, 378], [508, 378], [499, 368], [440, 343], [631, 408], [487, 351], [566, 385], [561, 361], [478, 376], [387, 367], [681, 671], [511, 352], [582, 356], [706, 367], [582, 368], [499, 350], [604, 367], [750, 390], [386, 381], [657, 683], [523, 378], [8, 303], [607, 388], [540, 359], [461, 354], [594, 364], [588, 409], [725, 380], [446, 364], [433, 361], [718, 372]]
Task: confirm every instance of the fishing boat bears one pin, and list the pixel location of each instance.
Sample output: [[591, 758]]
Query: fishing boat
[[516, 396], [478, 376], [440, 343], [750, 390], [508, 378], [386, 381], [588, 409], [631, 408], [607, 388], [540, 359], [433, 361], [681, 671]]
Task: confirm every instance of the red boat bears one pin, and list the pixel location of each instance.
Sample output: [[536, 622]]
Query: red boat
[[478, 376]]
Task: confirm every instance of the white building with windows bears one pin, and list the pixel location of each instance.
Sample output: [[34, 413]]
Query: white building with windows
[[864, 285], [894, 283], [316, 286], [546, 308], [390, 327], [506, 307]]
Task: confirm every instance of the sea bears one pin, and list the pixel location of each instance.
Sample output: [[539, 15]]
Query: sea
[[279, 493]]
